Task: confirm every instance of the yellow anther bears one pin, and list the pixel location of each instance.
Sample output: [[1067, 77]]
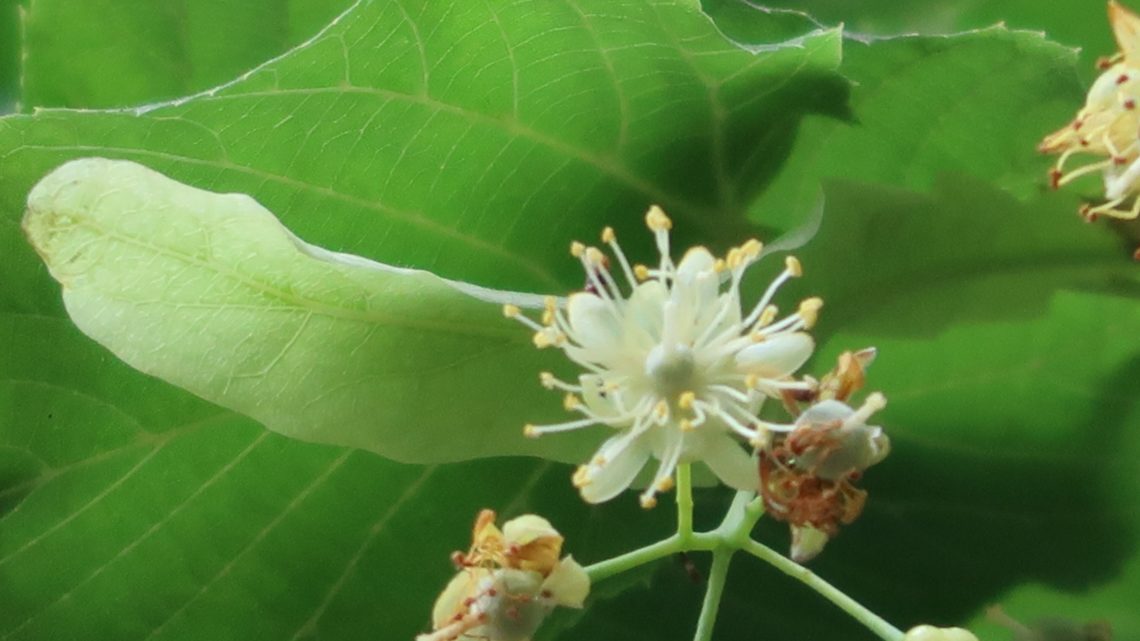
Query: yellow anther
[[530, 431], [767, 316], [547, 379], [656, 219], [594, 256], [576, 249], [608, 235], [733, 258], [581, 477], [546, 338], [570, 402], [793, 266], [751, 381], [759, 337], [665, 484], [550, 308], [661, 409], [719, 265], [809, 311], [510, 311], [686, 425], [685, 400], [599, 460], [648, 502], [752, 248], [641, 272]]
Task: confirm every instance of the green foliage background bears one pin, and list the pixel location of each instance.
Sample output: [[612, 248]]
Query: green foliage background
[[1007, 330]]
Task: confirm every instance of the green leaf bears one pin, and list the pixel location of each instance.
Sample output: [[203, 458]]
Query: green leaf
[[134, 510], [114, 53], [1068, 22], [975, 104], [9, 55]]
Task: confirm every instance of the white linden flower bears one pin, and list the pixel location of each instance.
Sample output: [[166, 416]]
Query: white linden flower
[[1105, 128], [672, 361], [508, 582]]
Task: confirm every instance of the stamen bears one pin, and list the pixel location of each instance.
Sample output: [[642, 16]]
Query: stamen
[[793, 266], [809, 311], [609, 238], [660, 225], [773, 287], [549, 381], [874, 403], [664, 473], [1087, 169], [534, 431]]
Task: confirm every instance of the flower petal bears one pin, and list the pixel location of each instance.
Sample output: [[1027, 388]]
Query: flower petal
[[568, 584], [602, 405], [777, 356], [825, 412], [594, 325], [450, 601], [619, 464], [643, 315], [695, 288], [1126, 28], [731, 464]]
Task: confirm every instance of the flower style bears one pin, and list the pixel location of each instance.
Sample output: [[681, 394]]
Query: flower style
[[508, 582], [1106, 127], [807, 475], [676, 365]]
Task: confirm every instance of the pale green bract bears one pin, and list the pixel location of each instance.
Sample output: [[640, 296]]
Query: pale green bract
[[210, 292]]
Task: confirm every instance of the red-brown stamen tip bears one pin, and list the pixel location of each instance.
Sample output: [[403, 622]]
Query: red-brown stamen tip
[[1136, 254], [1122, 78], [1119, 160], [1055, 178], [1086, 213], [1130, 104], [1103, 63]]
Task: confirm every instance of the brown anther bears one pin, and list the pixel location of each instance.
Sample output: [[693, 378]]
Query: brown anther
[[546, 594], [1085, 211], [1129, 104], [1055, 176], [1136, 254], [1122, 78], [1077, 124], [1103, 63], [492, 592], [1119, 160], [458, 559], [1084, 142]]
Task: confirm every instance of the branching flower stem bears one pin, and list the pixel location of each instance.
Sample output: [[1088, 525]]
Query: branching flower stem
[[732, 535], [874, 622]]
